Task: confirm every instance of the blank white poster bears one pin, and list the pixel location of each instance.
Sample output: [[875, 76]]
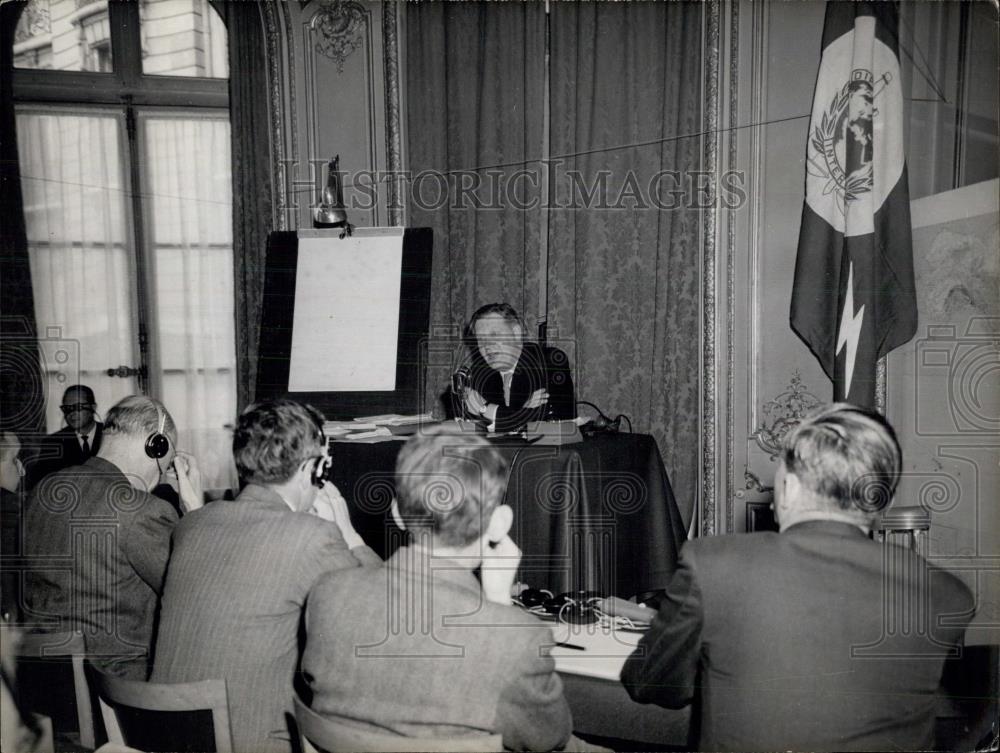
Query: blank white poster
[[346, 322]]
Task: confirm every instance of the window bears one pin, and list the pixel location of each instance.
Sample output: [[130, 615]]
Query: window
[[124, 148]]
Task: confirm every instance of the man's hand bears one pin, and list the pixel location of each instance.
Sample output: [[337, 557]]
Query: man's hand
[[498, 570], [538, 398], [188, 482], [474, 402], [331, 505]]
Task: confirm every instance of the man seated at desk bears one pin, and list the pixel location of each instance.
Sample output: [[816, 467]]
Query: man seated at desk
[[814, 638], [509, 381]]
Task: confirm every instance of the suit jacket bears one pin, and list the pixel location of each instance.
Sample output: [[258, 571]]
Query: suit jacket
[[787, 637], [535, 369], [60, 450], [417, 651], [97, 550], [232, 607]]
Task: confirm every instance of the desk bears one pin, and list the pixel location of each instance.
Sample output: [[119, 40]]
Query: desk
[[597, 515], [599, 703]]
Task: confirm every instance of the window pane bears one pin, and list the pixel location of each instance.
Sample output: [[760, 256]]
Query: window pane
[[81, 271], [182, 38], [189, 219], [64, 35]]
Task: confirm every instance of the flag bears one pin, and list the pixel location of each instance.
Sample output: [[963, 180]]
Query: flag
[[853, 299]]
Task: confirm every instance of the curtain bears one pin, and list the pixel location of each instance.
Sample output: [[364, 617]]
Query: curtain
[[623, 276], [81, 265], [475, 128], [249, 99], [192, 252], [624, 269], [22, 408]]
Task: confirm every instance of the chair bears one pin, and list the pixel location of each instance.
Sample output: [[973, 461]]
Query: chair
[[906, 526], [159, 717], [319, 734], [45, 663]]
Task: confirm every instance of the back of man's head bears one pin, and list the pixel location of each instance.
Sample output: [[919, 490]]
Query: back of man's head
[[846, 458], [449, 483], [138, 416], [273, 438]]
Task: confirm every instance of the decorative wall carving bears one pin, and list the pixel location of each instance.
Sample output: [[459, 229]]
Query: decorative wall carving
[[710, 471], [341, 26], [783, 414], [393, 125]]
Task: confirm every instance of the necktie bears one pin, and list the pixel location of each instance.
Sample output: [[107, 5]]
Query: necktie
[[85, 445], [507, 376]]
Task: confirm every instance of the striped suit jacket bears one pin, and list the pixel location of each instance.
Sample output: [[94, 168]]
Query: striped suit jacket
[[236, 585]]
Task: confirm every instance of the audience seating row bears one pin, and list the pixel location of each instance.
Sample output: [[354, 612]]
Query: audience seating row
[[184, 717]]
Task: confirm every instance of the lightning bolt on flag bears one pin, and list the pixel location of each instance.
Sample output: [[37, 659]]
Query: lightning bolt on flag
[[853, 299]]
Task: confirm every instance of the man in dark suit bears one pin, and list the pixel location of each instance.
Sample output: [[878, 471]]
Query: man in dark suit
[[814, 638], [241, 569], [420, 648], [510, 381], [97, 541], [79, 440]]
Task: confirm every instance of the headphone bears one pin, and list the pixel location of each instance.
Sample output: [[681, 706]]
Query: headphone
[[157, 445], [323, 463]]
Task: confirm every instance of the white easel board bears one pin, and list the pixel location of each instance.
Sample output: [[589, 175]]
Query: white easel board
[[346, 320]]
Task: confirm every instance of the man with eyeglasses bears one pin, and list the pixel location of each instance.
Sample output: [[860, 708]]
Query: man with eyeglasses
[[240, 571], [74, 443]]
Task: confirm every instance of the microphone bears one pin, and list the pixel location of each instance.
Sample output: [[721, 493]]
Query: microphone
[[459, 386]]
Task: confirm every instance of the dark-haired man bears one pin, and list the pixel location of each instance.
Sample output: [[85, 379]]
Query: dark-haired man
[[97, 541], [241, 569], [511, 381], [816, 638], [419, 648], [78, 440]]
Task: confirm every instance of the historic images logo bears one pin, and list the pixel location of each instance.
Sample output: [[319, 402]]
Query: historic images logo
[[841, 142]]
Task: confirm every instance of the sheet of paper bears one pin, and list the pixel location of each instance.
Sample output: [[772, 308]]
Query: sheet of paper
[[346, 320]]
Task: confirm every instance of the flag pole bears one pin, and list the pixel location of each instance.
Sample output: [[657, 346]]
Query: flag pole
[[543, 255]]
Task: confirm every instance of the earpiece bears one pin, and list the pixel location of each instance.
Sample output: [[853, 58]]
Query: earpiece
[[157, 444], [320, 468], [322, 464]]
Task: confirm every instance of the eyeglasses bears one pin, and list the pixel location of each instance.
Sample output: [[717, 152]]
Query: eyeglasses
[[76, 407]]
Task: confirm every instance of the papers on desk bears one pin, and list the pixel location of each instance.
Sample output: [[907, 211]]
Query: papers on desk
[[396, 419], [374, 428], [604, 650]]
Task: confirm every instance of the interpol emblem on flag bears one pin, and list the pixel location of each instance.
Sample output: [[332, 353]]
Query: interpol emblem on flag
[[853, 299]]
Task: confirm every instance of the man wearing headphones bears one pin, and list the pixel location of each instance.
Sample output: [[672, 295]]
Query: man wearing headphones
[[241, 569], [97, 541]]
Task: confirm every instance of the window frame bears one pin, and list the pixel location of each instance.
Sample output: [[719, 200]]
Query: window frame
[[125, 91], [126, 83]]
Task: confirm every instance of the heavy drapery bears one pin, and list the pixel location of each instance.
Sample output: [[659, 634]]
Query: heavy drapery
[[249, 99], [624, 264]]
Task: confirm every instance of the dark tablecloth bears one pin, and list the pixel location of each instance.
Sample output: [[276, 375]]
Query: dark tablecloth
[[597, 515]]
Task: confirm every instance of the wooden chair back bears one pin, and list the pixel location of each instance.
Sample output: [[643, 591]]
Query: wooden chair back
[[45, 663], [154, 717]]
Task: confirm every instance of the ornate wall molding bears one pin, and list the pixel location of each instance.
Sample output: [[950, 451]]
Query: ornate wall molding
[[272, 39], [709, 488], [784, 413], [393, 124], [734, 98], [293, 129], [342, 26]]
